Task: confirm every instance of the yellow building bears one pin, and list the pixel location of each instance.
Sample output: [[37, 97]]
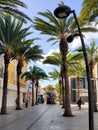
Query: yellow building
[[12, 83]]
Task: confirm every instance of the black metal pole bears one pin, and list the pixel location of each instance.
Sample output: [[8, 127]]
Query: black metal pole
[[90, 95]]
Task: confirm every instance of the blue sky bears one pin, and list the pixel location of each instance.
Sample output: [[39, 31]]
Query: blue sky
[[35, 6]]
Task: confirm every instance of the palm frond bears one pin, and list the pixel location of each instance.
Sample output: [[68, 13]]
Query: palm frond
[[55, 74], [14, 12], [13, 3], [54, 59]]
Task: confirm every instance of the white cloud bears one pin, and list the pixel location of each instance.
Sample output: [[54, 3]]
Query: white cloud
[[49, 53], [76, 42], [52, 50], [88, 37]]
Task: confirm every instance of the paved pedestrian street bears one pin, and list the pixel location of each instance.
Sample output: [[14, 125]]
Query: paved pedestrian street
[[46, 117]]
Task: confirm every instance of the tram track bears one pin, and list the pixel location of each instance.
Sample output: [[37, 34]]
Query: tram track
[[38, 118]]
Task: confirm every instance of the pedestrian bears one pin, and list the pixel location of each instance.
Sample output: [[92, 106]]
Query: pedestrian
[[42, 100], [26, 103], [17, 103], [79, 102]]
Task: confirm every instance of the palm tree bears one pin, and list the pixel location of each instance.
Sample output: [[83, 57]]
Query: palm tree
[[25, 52], [11, 33], [56, 59], [8, 41], [11, 7], [77, 70], [59, 29], [30, 75], [89, 11], [34, 74], [49, 88], [41, 75], [58, 90], [55, 74], [92, 59]]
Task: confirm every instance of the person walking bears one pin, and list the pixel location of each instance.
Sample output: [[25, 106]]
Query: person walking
[[79, 102], [26, 103]]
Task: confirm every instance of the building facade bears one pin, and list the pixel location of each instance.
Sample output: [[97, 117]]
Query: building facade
[[12, 83], [78, 91], [84, 86]]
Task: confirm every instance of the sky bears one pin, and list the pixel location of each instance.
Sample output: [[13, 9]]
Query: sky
[[35, 6]]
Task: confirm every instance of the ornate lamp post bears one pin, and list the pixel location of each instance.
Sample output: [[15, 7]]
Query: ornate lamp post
[[64, 12]]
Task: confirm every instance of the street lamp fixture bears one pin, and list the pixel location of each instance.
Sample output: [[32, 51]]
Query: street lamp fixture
[[70, 38], [64, 12]]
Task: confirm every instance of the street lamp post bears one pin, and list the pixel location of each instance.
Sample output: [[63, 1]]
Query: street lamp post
[[64, 12]]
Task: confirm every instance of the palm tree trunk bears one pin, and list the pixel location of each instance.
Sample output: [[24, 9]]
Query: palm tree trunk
[[32, 93], [64, 52], [93, 88], [60, 96], [63, 93], [94, 95], [5, 82], [95, 99], [18, 94], [37, 93], [18, 86]]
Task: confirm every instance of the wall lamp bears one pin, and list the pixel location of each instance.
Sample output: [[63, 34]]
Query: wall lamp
[[64, 12]]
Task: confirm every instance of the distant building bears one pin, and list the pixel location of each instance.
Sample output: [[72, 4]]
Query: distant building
[[83, 86], [82, 91]]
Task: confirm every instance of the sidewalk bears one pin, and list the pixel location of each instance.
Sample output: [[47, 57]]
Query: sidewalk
[[56, 121], [46, 117]]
